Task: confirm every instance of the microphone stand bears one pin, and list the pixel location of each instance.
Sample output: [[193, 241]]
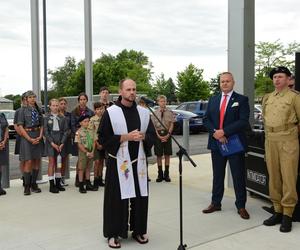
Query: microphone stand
[[182, 151]]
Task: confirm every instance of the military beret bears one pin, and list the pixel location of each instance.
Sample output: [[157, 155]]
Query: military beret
[[280, 69], [83, 117], [29, 93]]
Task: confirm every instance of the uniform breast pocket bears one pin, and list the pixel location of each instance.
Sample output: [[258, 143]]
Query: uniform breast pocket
[[285, 108]]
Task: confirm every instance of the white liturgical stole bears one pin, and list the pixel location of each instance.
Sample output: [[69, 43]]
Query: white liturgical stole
[[124, 163]]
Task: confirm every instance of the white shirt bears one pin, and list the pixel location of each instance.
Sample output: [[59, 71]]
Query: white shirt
[[227, 98]]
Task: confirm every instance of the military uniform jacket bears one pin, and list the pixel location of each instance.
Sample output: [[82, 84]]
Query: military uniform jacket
[[3, 126], [167, 118], [81, 137], [281, 114], [57, 137], [25, 119]]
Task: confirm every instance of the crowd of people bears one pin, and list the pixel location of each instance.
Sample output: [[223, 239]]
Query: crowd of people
[[121, 135]]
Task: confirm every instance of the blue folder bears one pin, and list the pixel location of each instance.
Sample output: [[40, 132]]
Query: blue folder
[[232, 146]]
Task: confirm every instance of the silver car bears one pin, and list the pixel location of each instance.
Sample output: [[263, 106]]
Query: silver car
[[9, 114]]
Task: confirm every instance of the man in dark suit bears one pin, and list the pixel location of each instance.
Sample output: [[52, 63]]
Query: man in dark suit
[[227, 114]]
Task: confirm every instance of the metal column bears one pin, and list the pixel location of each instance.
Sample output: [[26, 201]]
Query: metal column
[[35, 49], [241, 50], [88, 51]]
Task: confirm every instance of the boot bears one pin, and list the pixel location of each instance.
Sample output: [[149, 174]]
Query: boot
[[286, 224], [89, 186], [76, 181], [58, 184], [96, 182], [273, 220], [27, 189], [53, 189], [100, 182], [63, 182], [2, 191], [27, 181], [160, 175], [166, 174], [34, 186], [81, 188]]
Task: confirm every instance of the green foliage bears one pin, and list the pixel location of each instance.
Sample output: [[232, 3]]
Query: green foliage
[[108, 70], [214, 85], [191, 85], [164, 87], [268, 56], [16, 100]]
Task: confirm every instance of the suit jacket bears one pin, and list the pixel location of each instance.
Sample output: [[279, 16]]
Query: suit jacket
[[236, 119]]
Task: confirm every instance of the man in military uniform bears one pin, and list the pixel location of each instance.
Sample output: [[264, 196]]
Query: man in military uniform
[[163, 143], [281, 112]]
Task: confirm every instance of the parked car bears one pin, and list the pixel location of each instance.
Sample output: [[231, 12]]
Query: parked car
[[197, 107], [195, 121], [9, 114], [258, 118]]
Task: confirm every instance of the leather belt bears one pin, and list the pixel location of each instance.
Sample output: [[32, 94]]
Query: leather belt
[[32, 129], [280, 128]]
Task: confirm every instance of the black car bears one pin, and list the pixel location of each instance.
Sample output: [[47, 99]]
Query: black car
[[195, 121]]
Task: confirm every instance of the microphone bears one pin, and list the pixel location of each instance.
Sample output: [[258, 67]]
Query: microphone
[[148, 101]]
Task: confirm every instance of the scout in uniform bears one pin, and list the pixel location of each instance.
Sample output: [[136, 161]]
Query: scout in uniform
[[99, 109], [85, 140], [18, 135], [163, 143], [3, 147], [281, 112], [56, 133], [68, 143], [79, 111], [30, 122]]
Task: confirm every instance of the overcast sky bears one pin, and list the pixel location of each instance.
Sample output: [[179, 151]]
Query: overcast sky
[[172, 33]]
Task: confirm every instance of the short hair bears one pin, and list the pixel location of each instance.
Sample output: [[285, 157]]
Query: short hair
[[123, 80], [103, 88], [53, 100], [161, 97], [97, 105], [82, 94], [62, 99], [227, 73]]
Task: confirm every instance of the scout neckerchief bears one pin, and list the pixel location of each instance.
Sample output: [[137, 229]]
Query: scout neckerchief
[[124, 163], [89, 140]]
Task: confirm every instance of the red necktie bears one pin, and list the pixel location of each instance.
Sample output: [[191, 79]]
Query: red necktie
[[222, 111]]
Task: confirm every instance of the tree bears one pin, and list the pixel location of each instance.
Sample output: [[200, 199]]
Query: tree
[[16, 100], [191, 85], [108, 70], [268, 56], [214, 85], [163, 87]]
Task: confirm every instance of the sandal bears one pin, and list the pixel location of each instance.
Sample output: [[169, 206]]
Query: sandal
[[116, 243], [140, 238]]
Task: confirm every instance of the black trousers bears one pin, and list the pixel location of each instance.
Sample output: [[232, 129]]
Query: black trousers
[[237, 167]]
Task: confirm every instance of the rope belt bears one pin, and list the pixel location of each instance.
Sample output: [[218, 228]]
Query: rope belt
[[112, 156]]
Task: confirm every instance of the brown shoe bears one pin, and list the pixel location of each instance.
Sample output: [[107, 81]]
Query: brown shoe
[[243, 213], [211, 208]]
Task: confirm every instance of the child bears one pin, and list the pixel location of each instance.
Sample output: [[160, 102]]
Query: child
[[99, 109], [163, 144], [85, 140], [63, 104], [30, 123], [56, 133]]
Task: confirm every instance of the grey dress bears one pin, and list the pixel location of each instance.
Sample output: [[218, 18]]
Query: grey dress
[[28, 151], [56, 136], [3, 153]]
